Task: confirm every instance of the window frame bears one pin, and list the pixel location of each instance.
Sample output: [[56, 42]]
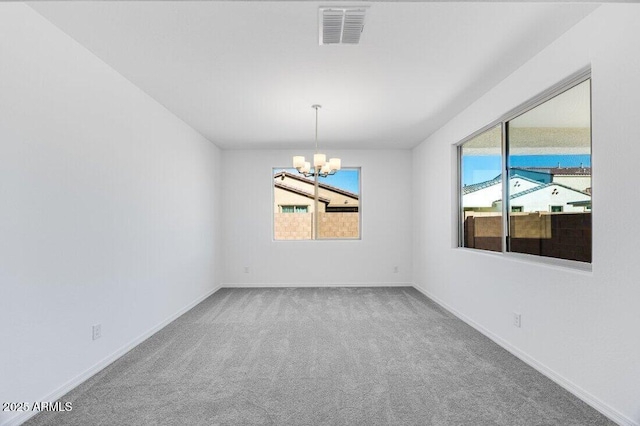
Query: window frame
[[360, 207], [296, 208], [548, 94], [460, 182]]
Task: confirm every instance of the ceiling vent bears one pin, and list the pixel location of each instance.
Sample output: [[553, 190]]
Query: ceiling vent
[[341, 25]]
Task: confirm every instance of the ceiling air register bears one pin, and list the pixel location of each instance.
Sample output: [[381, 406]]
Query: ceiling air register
[[341, 25]]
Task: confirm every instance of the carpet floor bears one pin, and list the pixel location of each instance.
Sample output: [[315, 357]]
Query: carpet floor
[[319, 356]]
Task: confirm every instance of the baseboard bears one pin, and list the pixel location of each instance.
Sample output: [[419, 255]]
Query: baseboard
[[310, 285], [105, 362], [585, 396], [576, 390]]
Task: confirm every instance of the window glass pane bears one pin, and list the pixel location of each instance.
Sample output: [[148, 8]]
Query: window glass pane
[[293, 209], [550, 177], [338, 212], [480, 165]]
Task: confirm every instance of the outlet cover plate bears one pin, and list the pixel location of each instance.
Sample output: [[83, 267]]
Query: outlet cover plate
[[97, 331], [517, 319]]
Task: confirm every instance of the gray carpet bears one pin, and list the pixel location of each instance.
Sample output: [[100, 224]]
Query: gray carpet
[[320, 356]]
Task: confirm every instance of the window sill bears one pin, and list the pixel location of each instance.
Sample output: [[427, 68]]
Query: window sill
[[564, 264]]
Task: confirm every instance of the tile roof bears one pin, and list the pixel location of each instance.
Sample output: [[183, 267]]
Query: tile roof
[[542, 186], [562, 171], [481, 185], [320, 184], [300, 191], [514, 174], [467, 189], [580, 203], [478, 186]]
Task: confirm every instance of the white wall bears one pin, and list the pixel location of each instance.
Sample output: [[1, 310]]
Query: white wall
[[110, 208], [386, 204], [581, 328], [108, 211]]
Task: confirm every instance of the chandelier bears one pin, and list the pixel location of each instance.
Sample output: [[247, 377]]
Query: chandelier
[[321, 167]]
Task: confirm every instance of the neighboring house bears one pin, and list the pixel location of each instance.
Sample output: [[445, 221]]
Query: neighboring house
[[536, 174], [527, 195], [551, 197], [573, 177], [295, 194], [482, 196]]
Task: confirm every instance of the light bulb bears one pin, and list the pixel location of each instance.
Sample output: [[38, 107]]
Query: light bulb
[[319, 160], [298, 161]]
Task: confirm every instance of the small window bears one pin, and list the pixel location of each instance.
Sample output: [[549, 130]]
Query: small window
[[334, 215], [294, 209], [556, 209], [516, 209]]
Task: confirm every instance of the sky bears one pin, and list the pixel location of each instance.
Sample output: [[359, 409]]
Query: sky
[[347, 179], [480, 168]]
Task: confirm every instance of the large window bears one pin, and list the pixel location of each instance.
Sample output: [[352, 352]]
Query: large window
[[536, 165], [298, 216]]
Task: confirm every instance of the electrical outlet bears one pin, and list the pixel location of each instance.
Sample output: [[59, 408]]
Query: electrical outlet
[[246, 269], [395, 269], [517, 319], [97, 331]]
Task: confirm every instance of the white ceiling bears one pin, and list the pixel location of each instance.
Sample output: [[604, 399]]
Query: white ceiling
[[245, 74]]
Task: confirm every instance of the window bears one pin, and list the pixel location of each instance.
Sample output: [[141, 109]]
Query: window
[[294, 209], [536, 165], [337, 206], [480, 165]]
